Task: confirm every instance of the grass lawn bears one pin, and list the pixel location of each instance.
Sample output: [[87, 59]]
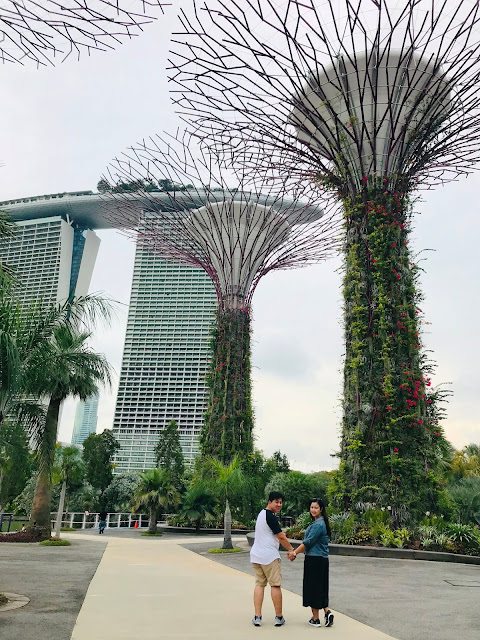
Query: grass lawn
[[16, 524]]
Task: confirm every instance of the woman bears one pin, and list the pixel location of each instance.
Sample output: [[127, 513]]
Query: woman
[[315, 571]]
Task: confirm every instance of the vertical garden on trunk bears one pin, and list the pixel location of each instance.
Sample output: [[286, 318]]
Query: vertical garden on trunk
[[391, 435], [228, 428]]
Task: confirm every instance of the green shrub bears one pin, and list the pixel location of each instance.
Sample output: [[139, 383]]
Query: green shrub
[[55, 543], [178, 520], [387, 538], [67, 529], [441, 540], [433, 520], [464, 537], [465, 494], [401, 538], [344, 526], [427, 543], [358, 536], [372, 517], [427, 531], [304, 519], [296, 532], [219, 550], [463, 533]]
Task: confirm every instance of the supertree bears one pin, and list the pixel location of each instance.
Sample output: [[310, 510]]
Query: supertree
[[364, 102], [236, 235], [41, 32]]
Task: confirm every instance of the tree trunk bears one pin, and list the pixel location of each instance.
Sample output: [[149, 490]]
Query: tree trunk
[[152, 523], [389, 412], [228, 427], [61, 504], [40, 518], [227, 523]]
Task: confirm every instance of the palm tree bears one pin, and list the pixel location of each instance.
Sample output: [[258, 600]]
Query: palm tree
[[466, 462], [198, 503], [70, 471], [226, 478], [25, 335], [155, 491], [70, 369]]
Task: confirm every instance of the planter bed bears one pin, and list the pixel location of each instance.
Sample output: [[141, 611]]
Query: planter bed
[[387, 552]]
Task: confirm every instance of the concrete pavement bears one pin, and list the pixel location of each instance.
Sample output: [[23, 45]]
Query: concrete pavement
[[55, 579], [155, 589]]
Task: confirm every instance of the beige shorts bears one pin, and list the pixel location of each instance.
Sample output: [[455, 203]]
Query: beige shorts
[[271, 573]]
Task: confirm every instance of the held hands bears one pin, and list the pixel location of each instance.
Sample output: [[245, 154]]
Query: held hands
[[291, 555]]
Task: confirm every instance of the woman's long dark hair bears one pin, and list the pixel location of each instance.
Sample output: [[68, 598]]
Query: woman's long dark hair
[[323, 514]]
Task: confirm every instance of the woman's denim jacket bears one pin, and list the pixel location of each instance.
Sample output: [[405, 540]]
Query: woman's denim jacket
[[316, 539]]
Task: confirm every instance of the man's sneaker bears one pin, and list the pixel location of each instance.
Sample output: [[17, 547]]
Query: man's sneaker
[[329, 619], [314, 623], [257, 621], [279, 620]]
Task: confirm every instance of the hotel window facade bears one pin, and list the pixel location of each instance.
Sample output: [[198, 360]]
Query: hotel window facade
[[165, 359]]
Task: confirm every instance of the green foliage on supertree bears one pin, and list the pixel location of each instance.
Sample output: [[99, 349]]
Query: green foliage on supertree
[[228, 427], [391, 436]]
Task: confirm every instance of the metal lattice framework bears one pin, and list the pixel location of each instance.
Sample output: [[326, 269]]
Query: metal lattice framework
[[336, 92], [237, 234], [362, 102], [46, 31]]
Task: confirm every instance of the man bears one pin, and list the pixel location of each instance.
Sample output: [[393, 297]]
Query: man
[[265, 558]]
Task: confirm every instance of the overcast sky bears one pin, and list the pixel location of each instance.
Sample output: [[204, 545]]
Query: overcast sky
[[60, 128]]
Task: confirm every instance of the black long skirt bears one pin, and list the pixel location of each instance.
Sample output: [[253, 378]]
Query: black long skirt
[[315, 582]]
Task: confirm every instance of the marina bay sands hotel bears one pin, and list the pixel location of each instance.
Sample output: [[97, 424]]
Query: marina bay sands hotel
[[165, 354]]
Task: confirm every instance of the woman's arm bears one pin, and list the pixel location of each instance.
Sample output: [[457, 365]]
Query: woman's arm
[[293, 554]]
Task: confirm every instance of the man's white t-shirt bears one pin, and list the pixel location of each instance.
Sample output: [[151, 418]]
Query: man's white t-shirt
[[266, 545]]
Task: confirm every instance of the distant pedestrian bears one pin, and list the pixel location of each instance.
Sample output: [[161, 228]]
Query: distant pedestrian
[[103, 521], [265, 558], [315, 570]]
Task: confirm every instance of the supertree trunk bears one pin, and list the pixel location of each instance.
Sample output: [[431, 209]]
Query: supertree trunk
[[390, 429], [228, 427]]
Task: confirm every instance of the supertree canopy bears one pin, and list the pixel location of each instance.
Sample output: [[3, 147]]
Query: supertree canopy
[[42, 32], [237, 236], [363, 102]]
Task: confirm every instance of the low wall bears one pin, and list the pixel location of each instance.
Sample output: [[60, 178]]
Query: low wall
[[215, 532], [386, 552]]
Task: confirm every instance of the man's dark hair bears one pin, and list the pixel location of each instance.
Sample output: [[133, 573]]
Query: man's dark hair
[[275, 495]]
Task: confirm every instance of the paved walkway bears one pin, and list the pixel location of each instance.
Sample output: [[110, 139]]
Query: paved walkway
[[158, 590]]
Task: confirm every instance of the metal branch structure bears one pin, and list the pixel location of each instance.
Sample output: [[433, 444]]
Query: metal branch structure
[[43, 32], [364, 102], [237, 235]]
